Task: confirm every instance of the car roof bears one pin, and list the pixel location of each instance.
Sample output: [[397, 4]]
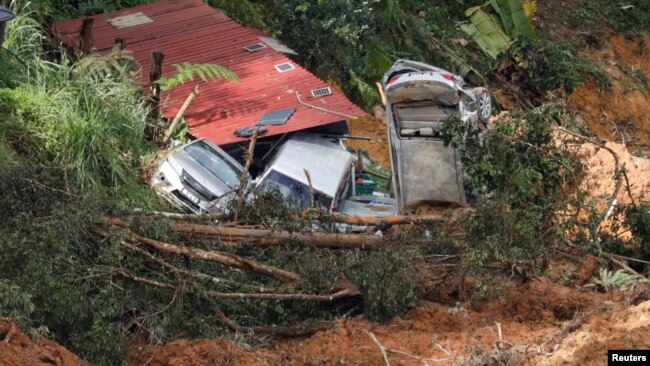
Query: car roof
[[324, 158]]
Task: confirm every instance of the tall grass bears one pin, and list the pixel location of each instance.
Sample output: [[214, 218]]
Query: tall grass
[[92, 127]]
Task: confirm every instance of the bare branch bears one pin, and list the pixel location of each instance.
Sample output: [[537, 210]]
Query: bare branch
[[220, 257], [381, 347]]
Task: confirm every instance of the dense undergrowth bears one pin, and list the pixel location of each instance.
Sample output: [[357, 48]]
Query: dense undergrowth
[[72, 146]]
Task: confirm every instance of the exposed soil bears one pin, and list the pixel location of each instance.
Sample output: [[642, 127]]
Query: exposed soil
[[375, 128], [16, 348], [616, 329], [622, 114], [218, 351], [600, 171], [533, 317]]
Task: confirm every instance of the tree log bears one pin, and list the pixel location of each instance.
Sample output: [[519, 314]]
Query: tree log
[[174, 269], [389, 220], [220, 257], [261, 237]]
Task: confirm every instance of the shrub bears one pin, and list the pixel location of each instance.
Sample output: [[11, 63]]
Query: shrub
[[520, 176]]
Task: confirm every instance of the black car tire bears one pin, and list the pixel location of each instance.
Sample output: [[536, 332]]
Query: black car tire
[[483, 105]]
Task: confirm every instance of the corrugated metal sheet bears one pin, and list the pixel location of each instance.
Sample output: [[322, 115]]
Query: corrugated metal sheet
[[191, 31]]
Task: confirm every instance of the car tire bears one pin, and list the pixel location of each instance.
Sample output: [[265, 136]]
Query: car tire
[[483, 105]]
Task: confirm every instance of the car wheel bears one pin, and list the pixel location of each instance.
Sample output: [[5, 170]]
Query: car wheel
[[483, 104]]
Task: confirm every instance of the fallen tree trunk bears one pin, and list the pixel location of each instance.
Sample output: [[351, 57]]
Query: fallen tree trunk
[[347, 292], [174, 269], [332, 217], [220, 257], [261, 237], [389, 220]]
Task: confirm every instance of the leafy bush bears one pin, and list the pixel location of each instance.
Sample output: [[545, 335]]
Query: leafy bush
[[552, 63], [520, 177], [638, 220], [608, 280], [76, 121], [386, 281]]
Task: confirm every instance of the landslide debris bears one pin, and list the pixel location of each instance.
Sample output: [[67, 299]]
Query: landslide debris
[[17, 348]]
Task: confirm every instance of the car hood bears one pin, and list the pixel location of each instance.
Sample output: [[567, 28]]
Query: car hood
[[197, 174], [369, 206]]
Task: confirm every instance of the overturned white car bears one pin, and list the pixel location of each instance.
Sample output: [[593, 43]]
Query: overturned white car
[[419, 99]]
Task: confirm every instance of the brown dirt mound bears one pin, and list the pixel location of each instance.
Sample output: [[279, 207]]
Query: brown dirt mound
[[218, 351], [600, 166], [624, 112], [533, 317], [617, 329], [375, 128], [527, 315], [16, 348]]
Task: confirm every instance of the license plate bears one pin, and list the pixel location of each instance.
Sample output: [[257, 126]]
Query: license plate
[[189, 195]]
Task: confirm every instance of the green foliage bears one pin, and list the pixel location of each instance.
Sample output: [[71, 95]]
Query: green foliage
[[552, 63], [64, 9], [513, 18], [631, 19], [486, 32], [75, 120], [250, 13], [638, 220], [15, 303], [118, 64], [386, 280], [607, 281], [186, 72], [519, 176]]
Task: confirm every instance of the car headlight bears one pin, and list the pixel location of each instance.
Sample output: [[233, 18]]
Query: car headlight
[[175, 165]]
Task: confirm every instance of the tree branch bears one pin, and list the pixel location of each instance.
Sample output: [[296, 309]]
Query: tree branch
[[227, 259], [295, 331]]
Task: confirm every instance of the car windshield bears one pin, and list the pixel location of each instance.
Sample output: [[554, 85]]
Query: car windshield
[[215, 163], [296, 193]]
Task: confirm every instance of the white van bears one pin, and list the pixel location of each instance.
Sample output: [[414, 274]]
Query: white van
[[328, 163]]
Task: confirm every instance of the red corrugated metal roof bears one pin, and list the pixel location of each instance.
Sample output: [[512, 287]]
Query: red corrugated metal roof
[[191, 31]]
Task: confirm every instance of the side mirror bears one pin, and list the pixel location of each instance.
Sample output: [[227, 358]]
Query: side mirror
[[5, 16]]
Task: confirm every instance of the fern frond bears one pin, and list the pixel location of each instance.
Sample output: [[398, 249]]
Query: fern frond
[[117, 63], [186, 72]]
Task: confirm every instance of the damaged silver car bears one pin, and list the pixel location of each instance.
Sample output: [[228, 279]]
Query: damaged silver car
[[198, 177], [419, 99]]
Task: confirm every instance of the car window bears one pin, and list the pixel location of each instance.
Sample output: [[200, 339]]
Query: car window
[[296, 193], [215, 163]]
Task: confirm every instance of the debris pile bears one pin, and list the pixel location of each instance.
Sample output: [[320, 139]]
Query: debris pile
[[17, 348]]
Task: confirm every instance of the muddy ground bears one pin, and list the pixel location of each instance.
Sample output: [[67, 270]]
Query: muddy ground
[[541, 322]]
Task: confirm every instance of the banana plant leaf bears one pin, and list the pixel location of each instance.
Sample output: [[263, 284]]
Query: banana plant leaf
[[486, 32], [514, 18]]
